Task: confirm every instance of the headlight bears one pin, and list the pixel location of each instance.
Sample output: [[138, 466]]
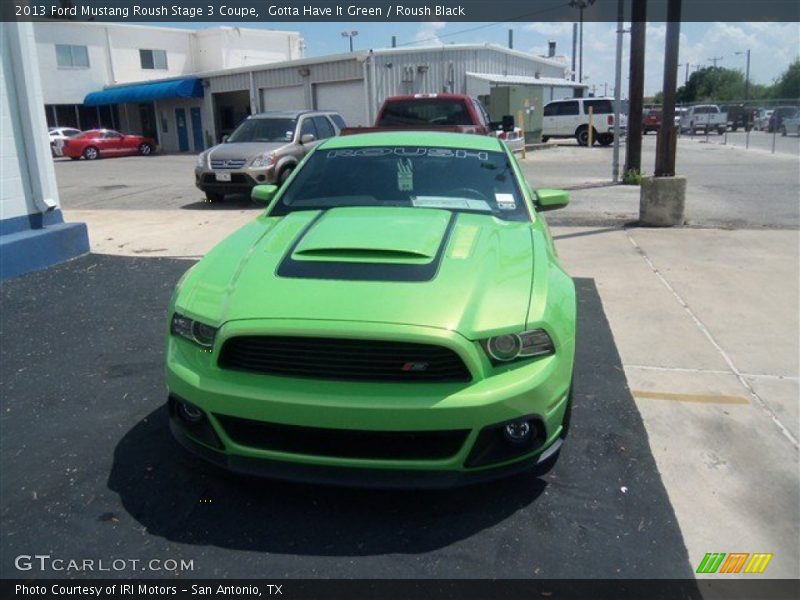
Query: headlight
[[265, 160], [194, 331], [513, 346], [201, 159]]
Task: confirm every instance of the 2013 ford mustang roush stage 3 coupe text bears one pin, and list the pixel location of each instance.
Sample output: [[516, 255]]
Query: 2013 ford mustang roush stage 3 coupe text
[[396, 317]]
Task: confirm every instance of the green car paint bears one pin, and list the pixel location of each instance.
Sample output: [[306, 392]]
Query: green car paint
[[419, 273]]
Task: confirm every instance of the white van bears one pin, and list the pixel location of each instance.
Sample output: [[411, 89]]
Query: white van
[[570, 118]]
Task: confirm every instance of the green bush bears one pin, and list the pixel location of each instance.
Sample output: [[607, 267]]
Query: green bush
[[632, 177]]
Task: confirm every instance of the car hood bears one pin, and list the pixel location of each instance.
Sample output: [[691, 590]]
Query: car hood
[[465, 272], [244, 150]]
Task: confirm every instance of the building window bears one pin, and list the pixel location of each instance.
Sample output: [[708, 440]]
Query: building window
[[72, 57], [153, 59]]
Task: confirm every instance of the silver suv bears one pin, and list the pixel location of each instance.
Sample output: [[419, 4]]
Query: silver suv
[[264, 148]]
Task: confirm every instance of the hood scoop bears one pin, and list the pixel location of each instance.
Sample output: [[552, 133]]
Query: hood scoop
[[374, 235]]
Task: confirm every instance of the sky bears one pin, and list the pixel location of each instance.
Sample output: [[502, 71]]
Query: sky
[[773, 46]]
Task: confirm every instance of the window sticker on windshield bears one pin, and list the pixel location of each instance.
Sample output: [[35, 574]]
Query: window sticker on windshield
[[505, 201], [450, 203], [405, 175], [404, 151]]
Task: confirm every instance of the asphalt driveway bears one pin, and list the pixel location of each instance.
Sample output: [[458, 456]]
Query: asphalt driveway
[[90, 469]]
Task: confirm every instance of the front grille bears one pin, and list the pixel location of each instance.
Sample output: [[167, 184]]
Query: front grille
[[344, 443], [229, 163], [348, 359]]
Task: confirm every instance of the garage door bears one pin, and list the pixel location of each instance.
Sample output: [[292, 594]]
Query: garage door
[[284, 98], [345, 97]]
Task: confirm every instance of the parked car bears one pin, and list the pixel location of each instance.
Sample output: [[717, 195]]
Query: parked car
[[739, 116], [704, 118], [570, 118], [397, 317], [791, 124], [264, 148], [436, 112], [652, 120], [105, 143], [58, 135], [777, 116], [762, 119]]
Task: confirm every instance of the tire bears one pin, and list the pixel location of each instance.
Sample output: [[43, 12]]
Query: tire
[[145, 149], [91, 153], [721, 131], [582, 136], [215, 197], [605, 139], [545, 139], [784, 133], [285, 175]]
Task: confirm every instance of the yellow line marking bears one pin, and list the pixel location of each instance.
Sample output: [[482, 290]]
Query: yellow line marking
[[701, 398]]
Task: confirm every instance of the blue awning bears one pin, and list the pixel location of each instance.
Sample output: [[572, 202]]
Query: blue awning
[[147, 92]]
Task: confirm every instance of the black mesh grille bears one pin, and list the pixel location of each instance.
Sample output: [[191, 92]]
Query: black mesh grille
[[344, 443], [354, 360]]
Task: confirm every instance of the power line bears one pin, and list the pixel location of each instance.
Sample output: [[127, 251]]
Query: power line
[[487, 25]]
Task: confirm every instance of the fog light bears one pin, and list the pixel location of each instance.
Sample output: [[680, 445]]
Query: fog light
[[190, 414], [518, 432]]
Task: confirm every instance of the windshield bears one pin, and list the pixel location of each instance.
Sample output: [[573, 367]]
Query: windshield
[[264, 130], [430, 111], [424, 177]]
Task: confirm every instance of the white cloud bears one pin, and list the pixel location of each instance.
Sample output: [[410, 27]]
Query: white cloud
[[428, 33]]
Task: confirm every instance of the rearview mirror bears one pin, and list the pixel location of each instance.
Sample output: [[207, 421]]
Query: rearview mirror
[[307, 138], [264, 193], [547, 199]]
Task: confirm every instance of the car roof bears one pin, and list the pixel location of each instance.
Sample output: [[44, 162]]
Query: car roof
[[437, 139], [287, 114]]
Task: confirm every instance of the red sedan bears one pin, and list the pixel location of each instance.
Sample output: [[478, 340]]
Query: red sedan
[[95, 143]]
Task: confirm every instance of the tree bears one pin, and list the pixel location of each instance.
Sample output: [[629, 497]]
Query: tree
[[712, 84], [788, 84]]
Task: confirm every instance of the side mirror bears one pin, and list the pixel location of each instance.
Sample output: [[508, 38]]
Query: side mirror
[[224, 139], [508, 123], [264, 193], [307, 138], [547, 199]]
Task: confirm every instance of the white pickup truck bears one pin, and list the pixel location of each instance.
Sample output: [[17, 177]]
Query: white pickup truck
[[704, 118], [570, 118]]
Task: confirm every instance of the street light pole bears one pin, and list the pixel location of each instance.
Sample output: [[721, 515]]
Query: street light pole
[[747, 75], [350, 35], [581, 5]]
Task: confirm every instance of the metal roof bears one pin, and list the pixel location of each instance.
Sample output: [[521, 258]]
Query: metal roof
[[525, 80]]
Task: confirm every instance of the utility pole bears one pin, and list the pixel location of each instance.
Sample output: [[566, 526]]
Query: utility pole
[[574, 48], [581, 5], [633, 148], [747, 75], [618, 90], [666, 144], [715, 60]]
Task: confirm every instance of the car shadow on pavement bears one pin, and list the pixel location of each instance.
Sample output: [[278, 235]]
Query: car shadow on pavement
[[85, 431], [232, 202]]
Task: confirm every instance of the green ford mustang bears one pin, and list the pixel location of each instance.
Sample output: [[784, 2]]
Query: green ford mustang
[[396, 317]]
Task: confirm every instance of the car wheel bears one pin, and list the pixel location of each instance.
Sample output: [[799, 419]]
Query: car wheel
[[783, 131], [605, 139], [145, 149], [215, 197], [285, 175], [582, 135], [545, 139], [721, 131], [91, 153]]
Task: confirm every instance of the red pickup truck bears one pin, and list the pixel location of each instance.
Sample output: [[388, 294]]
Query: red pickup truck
[[435, 112]]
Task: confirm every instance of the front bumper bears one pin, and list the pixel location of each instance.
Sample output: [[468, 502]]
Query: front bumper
[[241, 180], [536, 390]]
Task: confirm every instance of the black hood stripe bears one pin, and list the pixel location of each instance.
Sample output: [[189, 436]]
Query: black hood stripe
[[359, 271]]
